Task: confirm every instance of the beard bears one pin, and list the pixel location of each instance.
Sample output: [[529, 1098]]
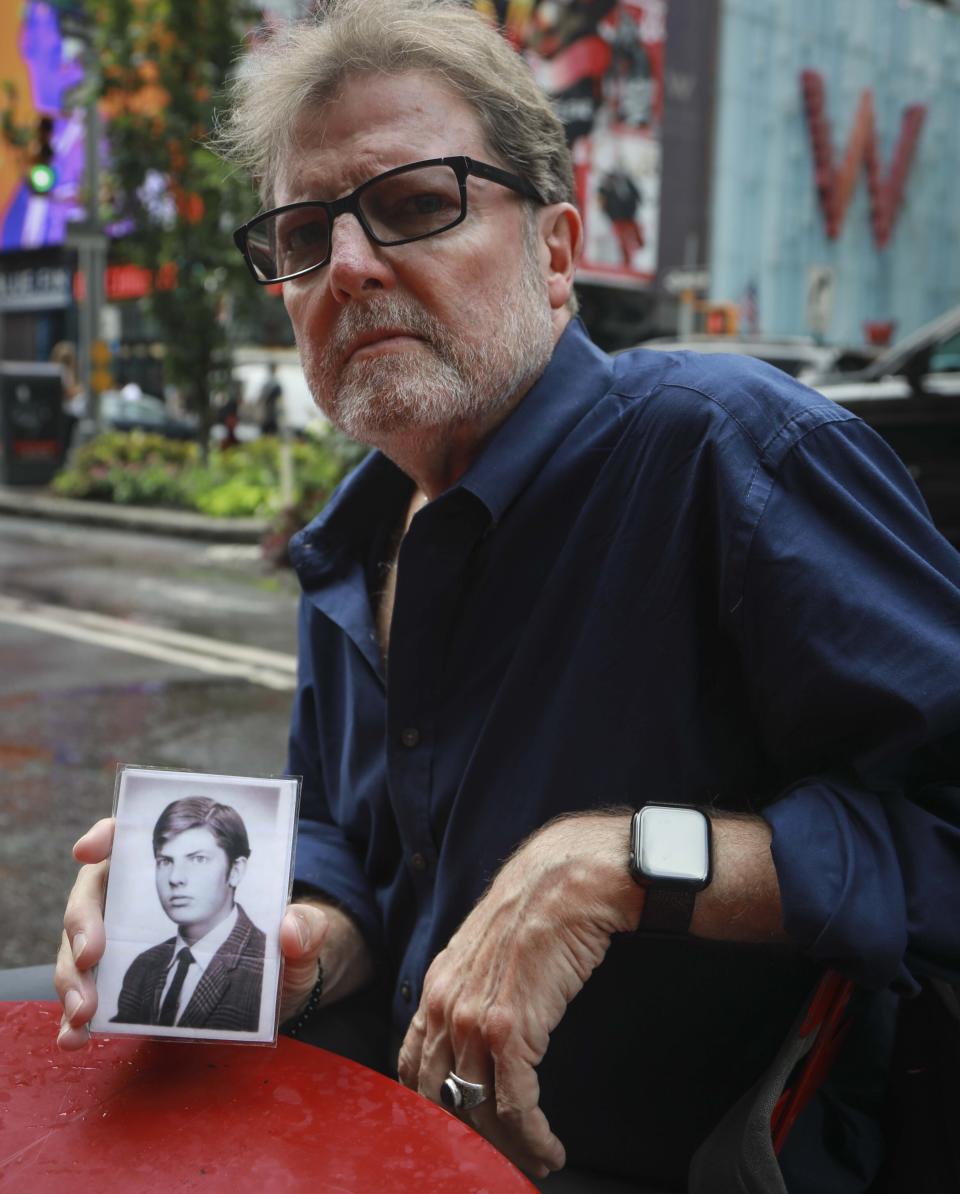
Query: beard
[[446, 381]]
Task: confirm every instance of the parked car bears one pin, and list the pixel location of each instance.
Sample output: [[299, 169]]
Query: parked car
[[800, 356], [911, 396], [124, 410]]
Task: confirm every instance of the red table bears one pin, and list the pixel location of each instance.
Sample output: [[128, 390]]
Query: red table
[[141, 1116]]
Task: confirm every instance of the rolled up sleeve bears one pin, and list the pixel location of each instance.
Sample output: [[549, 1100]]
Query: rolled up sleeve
[[841, 889], [850, 614], [326, 860]]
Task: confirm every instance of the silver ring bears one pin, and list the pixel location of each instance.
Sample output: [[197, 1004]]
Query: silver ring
[[458, 1095]]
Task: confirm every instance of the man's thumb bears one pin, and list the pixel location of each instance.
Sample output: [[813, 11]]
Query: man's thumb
[[302, 932]]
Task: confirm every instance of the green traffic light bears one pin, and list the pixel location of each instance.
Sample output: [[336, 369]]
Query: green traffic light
[[42, 178]]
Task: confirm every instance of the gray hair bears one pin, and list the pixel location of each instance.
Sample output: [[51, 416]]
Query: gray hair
[[306, 64]]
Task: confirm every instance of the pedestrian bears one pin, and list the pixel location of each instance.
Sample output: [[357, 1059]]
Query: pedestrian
[[574, 616], [64, 354], [229, 416], [271, 396]]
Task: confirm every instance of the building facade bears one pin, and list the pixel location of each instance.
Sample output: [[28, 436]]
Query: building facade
[[836, 165], [790, 164], [793, 163]]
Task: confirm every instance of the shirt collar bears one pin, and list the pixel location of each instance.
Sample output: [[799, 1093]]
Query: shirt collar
[[208, 945], [327, 546], [577, 375]]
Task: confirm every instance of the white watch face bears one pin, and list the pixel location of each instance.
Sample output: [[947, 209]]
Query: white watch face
[[674, 844]]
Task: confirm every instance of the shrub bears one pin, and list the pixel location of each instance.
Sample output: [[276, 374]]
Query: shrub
[[128, 467], [237, 498], [137, 468]]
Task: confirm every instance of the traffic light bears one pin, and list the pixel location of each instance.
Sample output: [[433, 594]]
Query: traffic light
[[41, 174]]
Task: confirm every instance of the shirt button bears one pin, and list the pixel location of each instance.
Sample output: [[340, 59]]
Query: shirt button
[[406, 991], [410, 736], [418, 862]]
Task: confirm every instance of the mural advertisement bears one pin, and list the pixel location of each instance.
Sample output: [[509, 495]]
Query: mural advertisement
[[601, 62], [42, 68]]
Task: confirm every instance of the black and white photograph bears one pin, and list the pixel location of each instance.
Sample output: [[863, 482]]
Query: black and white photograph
[[199, 879]]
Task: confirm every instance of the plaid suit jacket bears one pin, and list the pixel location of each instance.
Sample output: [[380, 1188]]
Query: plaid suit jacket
[[227, 996]]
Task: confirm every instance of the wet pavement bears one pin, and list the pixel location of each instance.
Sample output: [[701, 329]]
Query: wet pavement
[[220, 589], [72, 708]]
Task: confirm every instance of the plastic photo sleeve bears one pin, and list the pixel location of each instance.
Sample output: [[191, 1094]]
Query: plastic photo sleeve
[[200, 875]]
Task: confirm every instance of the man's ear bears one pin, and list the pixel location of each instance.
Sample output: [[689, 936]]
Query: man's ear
[[561, 240], [237, 871]]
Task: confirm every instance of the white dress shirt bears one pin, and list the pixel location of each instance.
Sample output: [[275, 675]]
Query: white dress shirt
[[202, 953]]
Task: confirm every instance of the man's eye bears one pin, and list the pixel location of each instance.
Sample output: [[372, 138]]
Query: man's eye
[[423, 205], [162, 862], [413, 213], [303, 236], [307, 234], [200, 858]]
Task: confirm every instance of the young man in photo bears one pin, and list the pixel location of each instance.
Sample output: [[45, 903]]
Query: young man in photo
[[211, 973]]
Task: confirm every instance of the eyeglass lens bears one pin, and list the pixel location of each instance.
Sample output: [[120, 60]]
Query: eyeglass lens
[[401, 207]]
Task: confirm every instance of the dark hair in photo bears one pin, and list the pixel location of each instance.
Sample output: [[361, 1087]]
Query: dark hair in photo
[[200, 812]]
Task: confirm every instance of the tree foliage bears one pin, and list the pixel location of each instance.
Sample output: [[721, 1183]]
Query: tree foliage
[[163, 64]]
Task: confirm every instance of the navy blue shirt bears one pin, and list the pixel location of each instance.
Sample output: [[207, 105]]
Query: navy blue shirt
[[665, 577]]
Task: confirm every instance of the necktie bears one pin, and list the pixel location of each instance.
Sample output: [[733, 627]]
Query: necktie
[[168, 1012]]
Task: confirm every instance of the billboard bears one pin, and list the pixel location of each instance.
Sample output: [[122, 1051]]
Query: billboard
[[41, 68], [601, 62]]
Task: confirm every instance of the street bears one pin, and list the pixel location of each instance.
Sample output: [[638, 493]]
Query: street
[[122, 648]]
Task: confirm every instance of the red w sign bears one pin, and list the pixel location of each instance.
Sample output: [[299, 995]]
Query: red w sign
[[836, 184]]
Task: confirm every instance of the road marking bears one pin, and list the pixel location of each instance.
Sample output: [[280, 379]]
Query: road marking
[[233, 551], [271, 669]]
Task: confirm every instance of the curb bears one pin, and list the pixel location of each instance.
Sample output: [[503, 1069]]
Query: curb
[[28, 503]]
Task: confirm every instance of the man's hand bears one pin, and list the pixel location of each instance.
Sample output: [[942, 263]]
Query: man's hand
[[83, 940], [312, 930], [494, 995], [307, 932]]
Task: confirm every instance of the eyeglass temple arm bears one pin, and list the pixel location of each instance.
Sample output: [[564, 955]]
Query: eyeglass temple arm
[[505, 179]]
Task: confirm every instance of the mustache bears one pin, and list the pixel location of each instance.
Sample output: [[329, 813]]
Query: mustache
[[392, 311]]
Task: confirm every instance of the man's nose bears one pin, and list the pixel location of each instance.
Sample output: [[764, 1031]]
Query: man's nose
[[178, 875], [357, 266]]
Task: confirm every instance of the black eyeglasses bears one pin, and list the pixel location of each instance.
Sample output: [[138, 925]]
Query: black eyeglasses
[[404, 204]]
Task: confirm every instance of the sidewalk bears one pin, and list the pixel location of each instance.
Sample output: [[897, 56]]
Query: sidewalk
[[37, 503]]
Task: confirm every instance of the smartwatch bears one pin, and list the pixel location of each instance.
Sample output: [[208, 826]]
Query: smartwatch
[[670, 857]]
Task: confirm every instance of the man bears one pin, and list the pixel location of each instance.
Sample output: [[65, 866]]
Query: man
[[563, 587], [211, 973], [271, 393]]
